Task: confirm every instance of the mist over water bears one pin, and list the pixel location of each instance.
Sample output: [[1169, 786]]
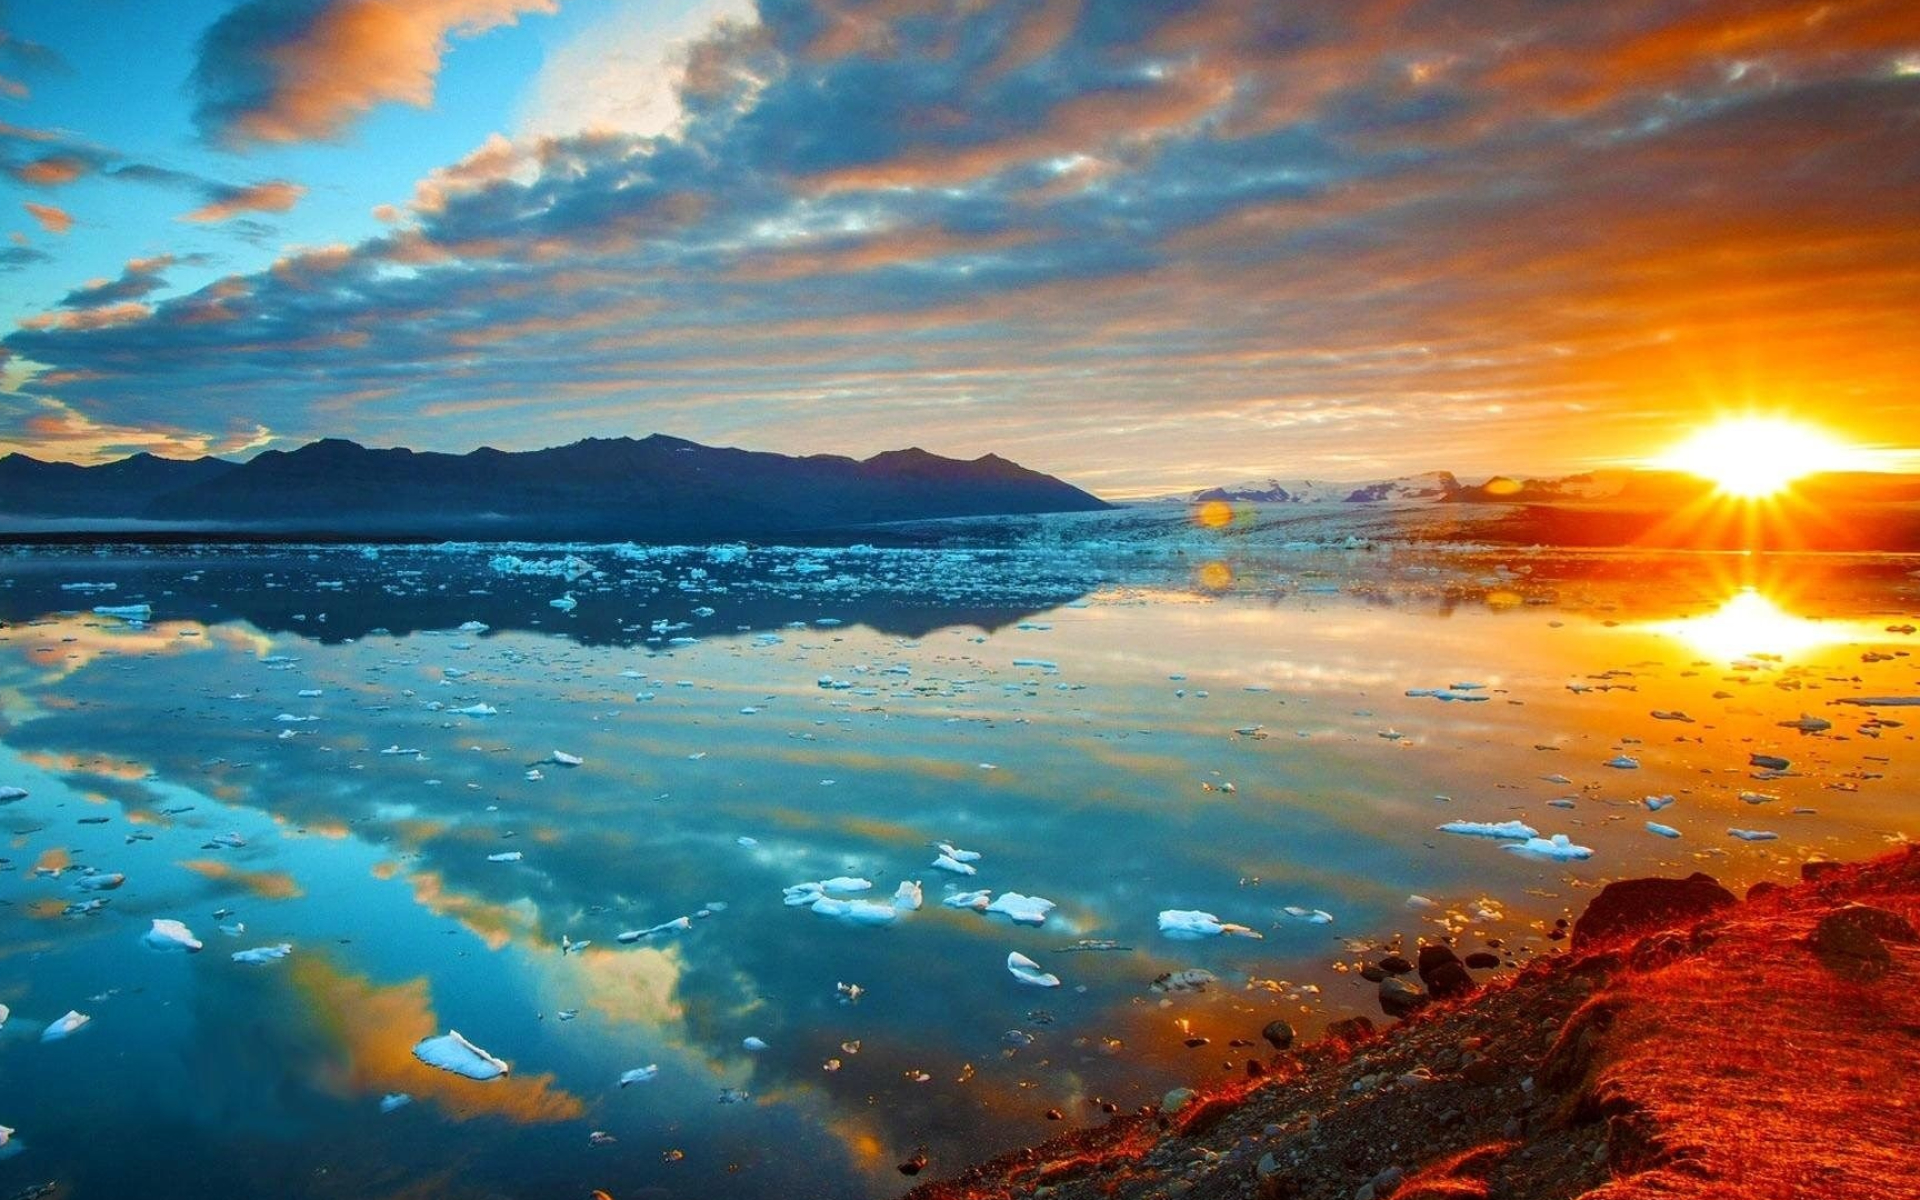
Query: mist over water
[[365, 753]]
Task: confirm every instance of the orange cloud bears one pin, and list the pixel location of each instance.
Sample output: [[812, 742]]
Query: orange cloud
[[272, 196], [53, 220], [358, 54], [375, 1028], [267, 885], [90, 318], [81, 439], [54, 170]]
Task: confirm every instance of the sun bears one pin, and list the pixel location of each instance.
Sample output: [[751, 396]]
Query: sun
[[1752, 457]]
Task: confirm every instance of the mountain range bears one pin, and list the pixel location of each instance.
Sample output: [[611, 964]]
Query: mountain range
[[652, 488]]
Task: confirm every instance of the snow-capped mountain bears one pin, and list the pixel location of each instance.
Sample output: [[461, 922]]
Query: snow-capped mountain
[[1428, 485]]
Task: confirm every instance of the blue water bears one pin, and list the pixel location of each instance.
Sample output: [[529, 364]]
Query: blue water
[[1121, 733]]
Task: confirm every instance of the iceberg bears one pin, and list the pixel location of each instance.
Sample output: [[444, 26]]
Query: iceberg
[[1491, 829], [639, 1074], [1665, 831], [1190, 925], [451, 1052], [1557, 847], [946, 862], [977, 901], [64, 1027], [168, 935], [1028, 971], [1022, 910], [908, 895], [261, 955]]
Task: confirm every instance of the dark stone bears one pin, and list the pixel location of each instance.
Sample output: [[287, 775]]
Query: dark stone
[[1820, 868], [1481, 1072], [1395, 964], [1444, 974], [1351, 1029], [916, 1164], [1254, 1069], [1398, 998], [1883, 923], [1279, 1034], [1372, 974], [1768, 762], [1634, 905], [1848, 948], [1483, 960], [1763, 889]]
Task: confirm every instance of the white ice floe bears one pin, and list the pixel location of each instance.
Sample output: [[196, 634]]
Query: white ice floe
[[64, 1027], [8, 1147], [472, 627], [261, 955], [753, 1043], [977, 901], [125, 612], [1312, 916], [957, 854], [1417, 902], [170, 935], [859, 912], [1190, 925], [946, 862], [1022, 910], [476, 710], [394, 1100], [1516, 830], [567, 760], [1028, 971], [9, 793], [451, 1052], [1753, 835], [101, 881], [1558, 846], [4, 1012], [639, 1074], [507, 856], [1665, 831], [1656, 803], [908, 896], [1622, 762], [846, 883], [565, 603], [677, 925]]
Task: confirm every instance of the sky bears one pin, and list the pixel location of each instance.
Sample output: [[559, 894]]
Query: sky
[[1144, 245]]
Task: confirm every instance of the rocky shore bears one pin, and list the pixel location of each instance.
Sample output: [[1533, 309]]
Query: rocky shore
[[1688, 1043]]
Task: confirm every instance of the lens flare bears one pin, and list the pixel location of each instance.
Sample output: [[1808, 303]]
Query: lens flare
[[1752, 457]]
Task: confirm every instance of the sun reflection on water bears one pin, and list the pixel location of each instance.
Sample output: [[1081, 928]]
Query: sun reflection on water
[[1750, 624]]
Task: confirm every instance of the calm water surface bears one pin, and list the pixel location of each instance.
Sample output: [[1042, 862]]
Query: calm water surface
[[279, 755]]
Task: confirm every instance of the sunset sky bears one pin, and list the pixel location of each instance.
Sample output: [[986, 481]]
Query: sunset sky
[[1142, 245]]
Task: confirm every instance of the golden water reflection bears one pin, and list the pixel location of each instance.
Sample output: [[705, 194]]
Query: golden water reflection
[[1751, 624]]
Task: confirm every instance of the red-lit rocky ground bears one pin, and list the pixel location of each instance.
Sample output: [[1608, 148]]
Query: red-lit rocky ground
[[1769, 1048]]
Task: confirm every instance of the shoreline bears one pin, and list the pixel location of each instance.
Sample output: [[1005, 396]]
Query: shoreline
[[1687, 1044]]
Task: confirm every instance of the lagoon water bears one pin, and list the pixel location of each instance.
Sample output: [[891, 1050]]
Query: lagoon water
[[366, 754]]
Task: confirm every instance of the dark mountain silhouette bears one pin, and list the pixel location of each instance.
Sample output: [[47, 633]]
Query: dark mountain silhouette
[[653, 488], [30, 487]]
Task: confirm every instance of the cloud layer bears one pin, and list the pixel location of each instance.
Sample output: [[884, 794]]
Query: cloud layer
[[1141, 244]]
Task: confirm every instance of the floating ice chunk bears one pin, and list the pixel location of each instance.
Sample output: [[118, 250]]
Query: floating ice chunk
[[1665, 831], [956, 854], [261, 955], [1556, 777], [235, 929], [451, 1052], [1312, 916], [394, 1100], [567, 760], [947, 862], [845, 883], [104, 881], [1023, 910], [753, 1043], [801, 894], [472, 627], [170, 935], [867, 912], [125, 612], [1622, 762], [679, 924], [1656, 803], [476, 710], [1190, 925], [506, 856], [8, 1147], [1417, 902], [1558, 847], [1808, 724], [1753, 835], [4, 1013], [1028, 971], [231, 839], [977, 901], [639, 1074], [64, 1027], [565, 603], [908, 895], [748, 842], [1491, 829], [9, 794]]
